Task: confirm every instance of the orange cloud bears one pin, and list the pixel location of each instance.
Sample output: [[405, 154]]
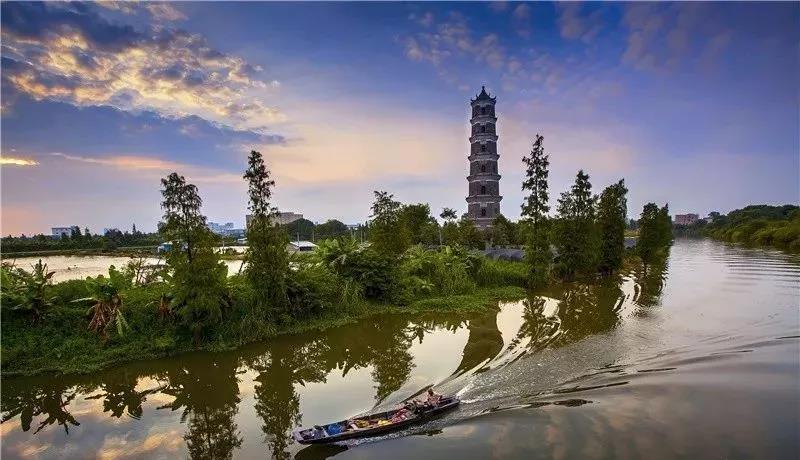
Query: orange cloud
[[170, 71], [17, 161]]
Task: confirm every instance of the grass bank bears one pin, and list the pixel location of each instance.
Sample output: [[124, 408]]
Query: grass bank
[[61, 342]]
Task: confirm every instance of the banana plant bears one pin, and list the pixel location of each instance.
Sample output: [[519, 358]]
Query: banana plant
[[106, 312], [27, 292]]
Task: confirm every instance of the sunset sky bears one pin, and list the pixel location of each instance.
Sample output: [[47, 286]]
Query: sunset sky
[[693, 104]]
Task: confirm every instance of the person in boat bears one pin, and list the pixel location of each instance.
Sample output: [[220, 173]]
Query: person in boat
[[433, 398], [319, 432]]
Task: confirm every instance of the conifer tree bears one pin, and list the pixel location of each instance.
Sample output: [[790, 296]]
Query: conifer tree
[[267, 259], [612, 211], [575, 232], [534, 210], [664, 226], [649, 240], [198, 276]]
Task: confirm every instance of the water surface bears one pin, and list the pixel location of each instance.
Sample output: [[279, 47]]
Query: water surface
[[697, 357]]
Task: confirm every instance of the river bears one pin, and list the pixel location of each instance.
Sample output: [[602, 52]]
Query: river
[[78, 267], [697, 357]]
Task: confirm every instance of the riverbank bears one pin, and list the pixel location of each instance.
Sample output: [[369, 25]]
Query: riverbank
[[61, 343]]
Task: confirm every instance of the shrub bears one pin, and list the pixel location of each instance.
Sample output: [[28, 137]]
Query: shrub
[[502, 273], [446, 271]]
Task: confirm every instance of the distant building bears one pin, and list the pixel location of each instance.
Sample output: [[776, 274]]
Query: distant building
[[59, 232], [220, 229], [226, 229], [483, 201], [301, 246], [686, 219], [283, 218]]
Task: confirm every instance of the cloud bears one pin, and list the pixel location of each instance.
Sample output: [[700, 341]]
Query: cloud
[[574, 25], [157, 166], [523, 11], [123, 162], [522, 20], [4, 160], [425, 20], [452, 42], [664, 38], [70, 53], [164, 11]]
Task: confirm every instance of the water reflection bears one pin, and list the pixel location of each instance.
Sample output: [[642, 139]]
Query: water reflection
[[204, 389], [49, 403], [537, 353], [119, 395]]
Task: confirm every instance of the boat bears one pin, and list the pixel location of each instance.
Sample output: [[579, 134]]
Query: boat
[[373, 424]]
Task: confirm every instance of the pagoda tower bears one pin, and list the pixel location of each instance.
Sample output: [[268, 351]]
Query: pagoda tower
[[483, 201]]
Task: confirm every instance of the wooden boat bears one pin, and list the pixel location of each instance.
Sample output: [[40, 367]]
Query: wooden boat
[[372, 424]]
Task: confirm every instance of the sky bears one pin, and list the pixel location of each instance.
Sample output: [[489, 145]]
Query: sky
[[693, 104]]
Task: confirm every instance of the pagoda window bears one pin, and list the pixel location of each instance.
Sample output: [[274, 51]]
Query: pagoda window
[[483, 168], [483, 212], [483, 190], [483, 148], [483, 128]]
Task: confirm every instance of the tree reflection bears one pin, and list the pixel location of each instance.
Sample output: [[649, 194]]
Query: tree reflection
[[650, 280], [29, 402], [206, 388], [119, 394], [390, 358], [569, 312], [288, 361]]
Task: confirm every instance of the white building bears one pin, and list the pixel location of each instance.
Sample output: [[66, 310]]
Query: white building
[[58, 232], [301, 246]]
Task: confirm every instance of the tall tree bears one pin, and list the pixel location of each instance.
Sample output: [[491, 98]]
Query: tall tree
[[469, 235], [419, 222], [388, 233], [612, 211], [198, 276], [504, 231], [649, 241], [267, 259], [664, 226], [534, 209], [575, 232], [450, 228]]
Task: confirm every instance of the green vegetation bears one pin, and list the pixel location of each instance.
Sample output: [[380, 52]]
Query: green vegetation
[[26, 292], [612, 211], [534, 209], [62, 341], [655, 233], [757, 225], [267, 260], [78, 240], [575, 233], [195, 270], [407, 263]]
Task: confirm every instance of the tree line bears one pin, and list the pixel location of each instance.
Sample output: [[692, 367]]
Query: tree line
[[754, 225], [77, 239], [587, 234]]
